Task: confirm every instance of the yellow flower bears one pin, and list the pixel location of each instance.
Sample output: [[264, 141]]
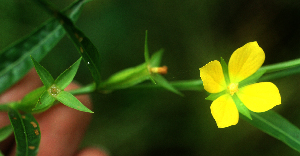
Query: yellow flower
[[257, 97]]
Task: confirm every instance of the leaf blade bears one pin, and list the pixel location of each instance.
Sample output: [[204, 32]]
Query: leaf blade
[[33, 133], [156, 58], [19, 131], [43, 73], [160, 80], [276, 126], [15, 61], [65, 78], [5, 132], [71, 101], [82, 43], [45, 102]]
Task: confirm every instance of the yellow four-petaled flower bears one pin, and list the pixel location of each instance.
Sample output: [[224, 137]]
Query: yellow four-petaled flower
[[257, 97]]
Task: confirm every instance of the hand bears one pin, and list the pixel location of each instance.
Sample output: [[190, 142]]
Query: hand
[[62, 128]]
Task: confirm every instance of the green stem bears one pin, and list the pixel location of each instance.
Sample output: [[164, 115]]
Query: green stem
[[275, 71], [90, 88], [281, 66], [196, 85]]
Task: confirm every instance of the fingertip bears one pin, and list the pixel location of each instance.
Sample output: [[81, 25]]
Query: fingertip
[[91, 151]]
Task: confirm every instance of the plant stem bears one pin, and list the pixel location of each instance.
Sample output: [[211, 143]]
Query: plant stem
[[281, 66], [84, 90]]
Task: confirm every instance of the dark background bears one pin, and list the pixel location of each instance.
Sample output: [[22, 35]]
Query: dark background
[[150, 122]]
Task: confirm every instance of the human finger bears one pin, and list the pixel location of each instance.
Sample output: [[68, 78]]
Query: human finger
[[91, 152]]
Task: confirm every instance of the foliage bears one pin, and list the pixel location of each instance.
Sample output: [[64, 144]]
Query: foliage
[[20, 57]]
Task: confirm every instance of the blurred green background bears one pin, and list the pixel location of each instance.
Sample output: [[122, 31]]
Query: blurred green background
[[151, 122]]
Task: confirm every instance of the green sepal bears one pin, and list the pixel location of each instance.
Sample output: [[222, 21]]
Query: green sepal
[[157, 78], [44, 75], [30, 100], [160, 80], [5, 132], [26, 131], [252, 79], [126, 78], [155, 62], [65, 78], [156, 58], [225, 71], [241, 107], [214, 96], [71, 101], [45, 101]]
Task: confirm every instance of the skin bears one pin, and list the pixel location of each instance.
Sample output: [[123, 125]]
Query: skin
[[62, 128]]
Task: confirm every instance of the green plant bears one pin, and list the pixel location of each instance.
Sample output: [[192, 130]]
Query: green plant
[[26, 128]]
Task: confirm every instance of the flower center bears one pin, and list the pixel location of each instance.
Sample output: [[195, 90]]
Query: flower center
[[160, 70], [53, 90], [233, 88]]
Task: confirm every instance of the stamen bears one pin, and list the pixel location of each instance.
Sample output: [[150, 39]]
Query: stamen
[[233, 88], [159, 70]]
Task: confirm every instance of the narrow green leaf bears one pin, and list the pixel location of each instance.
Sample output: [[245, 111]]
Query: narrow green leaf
[[19, 131], [83, 44], [15, 61], [44, 75], [160, 80], [71, 101], [156, 58], [33, 133], [126, 78], [27, 133], [241, 107], [65, 78], [146, 50], [5, 132], [275, 125], [1, 154], [86, 49], [45, 102]]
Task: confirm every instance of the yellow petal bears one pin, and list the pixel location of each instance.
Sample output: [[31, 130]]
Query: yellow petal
[[224, 111], [212, 77], [245, 61], [260, 97]]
